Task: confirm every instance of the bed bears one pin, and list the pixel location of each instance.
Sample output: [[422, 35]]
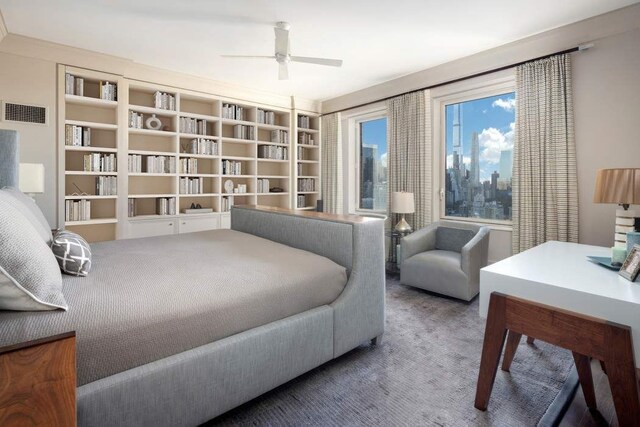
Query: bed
[[176, 330]]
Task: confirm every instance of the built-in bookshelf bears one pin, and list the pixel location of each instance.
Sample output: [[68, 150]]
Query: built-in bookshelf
[[171, 160], [306, 173], [88, 155]]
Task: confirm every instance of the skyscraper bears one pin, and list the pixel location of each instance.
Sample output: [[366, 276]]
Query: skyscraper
[[506, 164], [475, 161], [457, 136], [368, 174]]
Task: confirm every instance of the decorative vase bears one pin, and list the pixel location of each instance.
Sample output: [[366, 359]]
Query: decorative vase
[[153, 123]]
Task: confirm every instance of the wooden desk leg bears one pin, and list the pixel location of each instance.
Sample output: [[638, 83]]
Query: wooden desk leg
[[583, 366], [494, 336], [621, 371], [513, 339]]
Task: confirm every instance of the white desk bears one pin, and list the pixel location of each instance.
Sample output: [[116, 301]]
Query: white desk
[[559, 274]]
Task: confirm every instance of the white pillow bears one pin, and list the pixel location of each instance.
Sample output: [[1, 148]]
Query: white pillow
[[29, 209], [30, 278]]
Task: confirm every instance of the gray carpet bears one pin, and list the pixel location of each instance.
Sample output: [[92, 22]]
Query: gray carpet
[[424, 373]]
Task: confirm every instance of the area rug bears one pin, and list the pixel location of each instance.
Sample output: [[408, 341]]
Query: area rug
[[423, 373]]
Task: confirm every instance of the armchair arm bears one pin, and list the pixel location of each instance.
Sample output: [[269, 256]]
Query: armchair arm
[[421, 241], [474, 255]]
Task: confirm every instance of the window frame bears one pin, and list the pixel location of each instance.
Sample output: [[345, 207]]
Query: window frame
[[356, 122], [468, 91]]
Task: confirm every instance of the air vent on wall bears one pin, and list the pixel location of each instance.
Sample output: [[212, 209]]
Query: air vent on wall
[[33, 114]]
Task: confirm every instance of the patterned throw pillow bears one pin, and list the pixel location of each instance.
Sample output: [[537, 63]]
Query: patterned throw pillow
[[72, 252]]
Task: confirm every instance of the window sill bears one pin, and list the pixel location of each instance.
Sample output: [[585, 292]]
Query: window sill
[[493, 225]]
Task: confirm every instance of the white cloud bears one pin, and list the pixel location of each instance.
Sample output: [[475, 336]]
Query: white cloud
[[506, 104], [492, 141], [465, 160], [383, 160]]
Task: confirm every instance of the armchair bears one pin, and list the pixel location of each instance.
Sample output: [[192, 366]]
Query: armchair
[[445, 257]]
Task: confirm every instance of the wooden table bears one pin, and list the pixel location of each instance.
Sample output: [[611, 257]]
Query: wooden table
[[554, 293]]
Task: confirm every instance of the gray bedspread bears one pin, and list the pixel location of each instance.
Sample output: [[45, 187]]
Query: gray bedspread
[[146, 299]]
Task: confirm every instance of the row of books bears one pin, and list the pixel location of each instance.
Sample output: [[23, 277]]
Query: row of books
[[280, 136], [108, 91], [263, 185], [273, 152], [135, 120], [232, 111], [191, 185], [231, 167], [266, 117], [106, 186], [131, 208], [306, 138], [301, 201], [227, 202], [201, 146], [166, 206], [244, 132], [77, 136], [188, 165], [96, 162], [77, 210], [152, 164], [73, 85], [189, 125], [304, 122], [306, 184], [164, 101]]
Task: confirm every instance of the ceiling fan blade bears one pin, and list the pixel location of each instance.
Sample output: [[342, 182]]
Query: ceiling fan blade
[[282, 41], [318, 61], [283, 71], [249, 56]]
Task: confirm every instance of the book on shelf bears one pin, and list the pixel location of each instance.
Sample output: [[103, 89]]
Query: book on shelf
[[77, 210], [280, 136], [191, 185], [194, 126], [97, 162], [189, 165], [266, 117], [131, 208], [200, 146], [106, 186], [263, 185], [306, 184], [301, 153], [77, 136], [231, 167], [135, 120], [274, 152], [232, 111], [108, 91], [73, 85], [157, 164], [227, 202], [164, 101], [306, 138], [304, 121], [243, 132], [134, 163], [301, 201], [166, 206]]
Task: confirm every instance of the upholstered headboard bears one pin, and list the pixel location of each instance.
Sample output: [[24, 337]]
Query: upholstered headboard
[[9, 158]]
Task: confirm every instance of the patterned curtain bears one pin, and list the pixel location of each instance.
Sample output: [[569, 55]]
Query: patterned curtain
[[545, 184], [331, 174], [409, 153]]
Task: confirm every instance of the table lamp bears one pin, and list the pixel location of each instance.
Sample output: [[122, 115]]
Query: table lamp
[[31, 178], [402, 203], [622, 187]]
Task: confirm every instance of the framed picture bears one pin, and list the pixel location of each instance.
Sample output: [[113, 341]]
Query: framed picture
[[631, 265]]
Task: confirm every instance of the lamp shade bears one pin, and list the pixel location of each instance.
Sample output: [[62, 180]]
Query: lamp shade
[[402, 202], [31, 178], [620, 186]]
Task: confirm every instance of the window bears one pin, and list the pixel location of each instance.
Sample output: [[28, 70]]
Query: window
[[372, 179], [479, 157]]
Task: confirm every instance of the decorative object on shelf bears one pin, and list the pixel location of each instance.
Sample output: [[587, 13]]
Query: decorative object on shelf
[[622, 187], [604, 261], [402, 203], [228, 186], [199, 210], [631, 266], [31, 178], [618, 255], [153, 123]]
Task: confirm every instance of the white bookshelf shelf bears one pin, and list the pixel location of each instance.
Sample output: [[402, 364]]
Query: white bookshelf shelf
[[150, 174], [312, 162], [151, 110], [199, 175], [274, 193], [279, 144], [208, 118], [238, 140], [309, 176], [90, 197], [273, 160], [92, 222], [199, 156], [152, 196], [271, 127], [90, 149], [274, 176], [308, 192], [136, 131], [199, 195], [237, 176], [307, 130], [196, 135], [152, 216], [92, 125], [309, 146], [90, 173], [87, 100], [237, 122], [238, 158], [153, 153]]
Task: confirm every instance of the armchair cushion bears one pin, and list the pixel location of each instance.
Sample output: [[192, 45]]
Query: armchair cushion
[[453, 239], [436, 271]]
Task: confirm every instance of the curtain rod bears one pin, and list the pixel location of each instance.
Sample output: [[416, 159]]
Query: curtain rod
[[460, 79]]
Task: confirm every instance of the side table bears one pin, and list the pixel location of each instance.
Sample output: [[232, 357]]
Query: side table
[[392, 258]]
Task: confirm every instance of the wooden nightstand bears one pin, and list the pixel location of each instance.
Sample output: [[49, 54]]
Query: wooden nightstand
[[38, 382]]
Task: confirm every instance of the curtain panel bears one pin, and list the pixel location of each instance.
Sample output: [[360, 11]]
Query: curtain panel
[[331, 164], [545, 183], [409, 154]]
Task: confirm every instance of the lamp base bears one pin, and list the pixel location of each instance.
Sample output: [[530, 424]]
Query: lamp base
[[403, 226]]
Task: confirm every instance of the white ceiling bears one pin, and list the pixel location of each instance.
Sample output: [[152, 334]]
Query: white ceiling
[[378, 40]]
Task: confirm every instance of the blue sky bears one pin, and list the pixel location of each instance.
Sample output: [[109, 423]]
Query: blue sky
[[493, 118], [374, 132]]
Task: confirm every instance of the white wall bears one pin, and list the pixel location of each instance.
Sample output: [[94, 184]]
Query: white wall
[[33, 81], [606, 87]]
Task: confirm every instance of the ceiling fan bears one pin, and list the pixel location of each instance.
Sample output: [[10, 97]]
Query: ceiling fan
[[283, 55]]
